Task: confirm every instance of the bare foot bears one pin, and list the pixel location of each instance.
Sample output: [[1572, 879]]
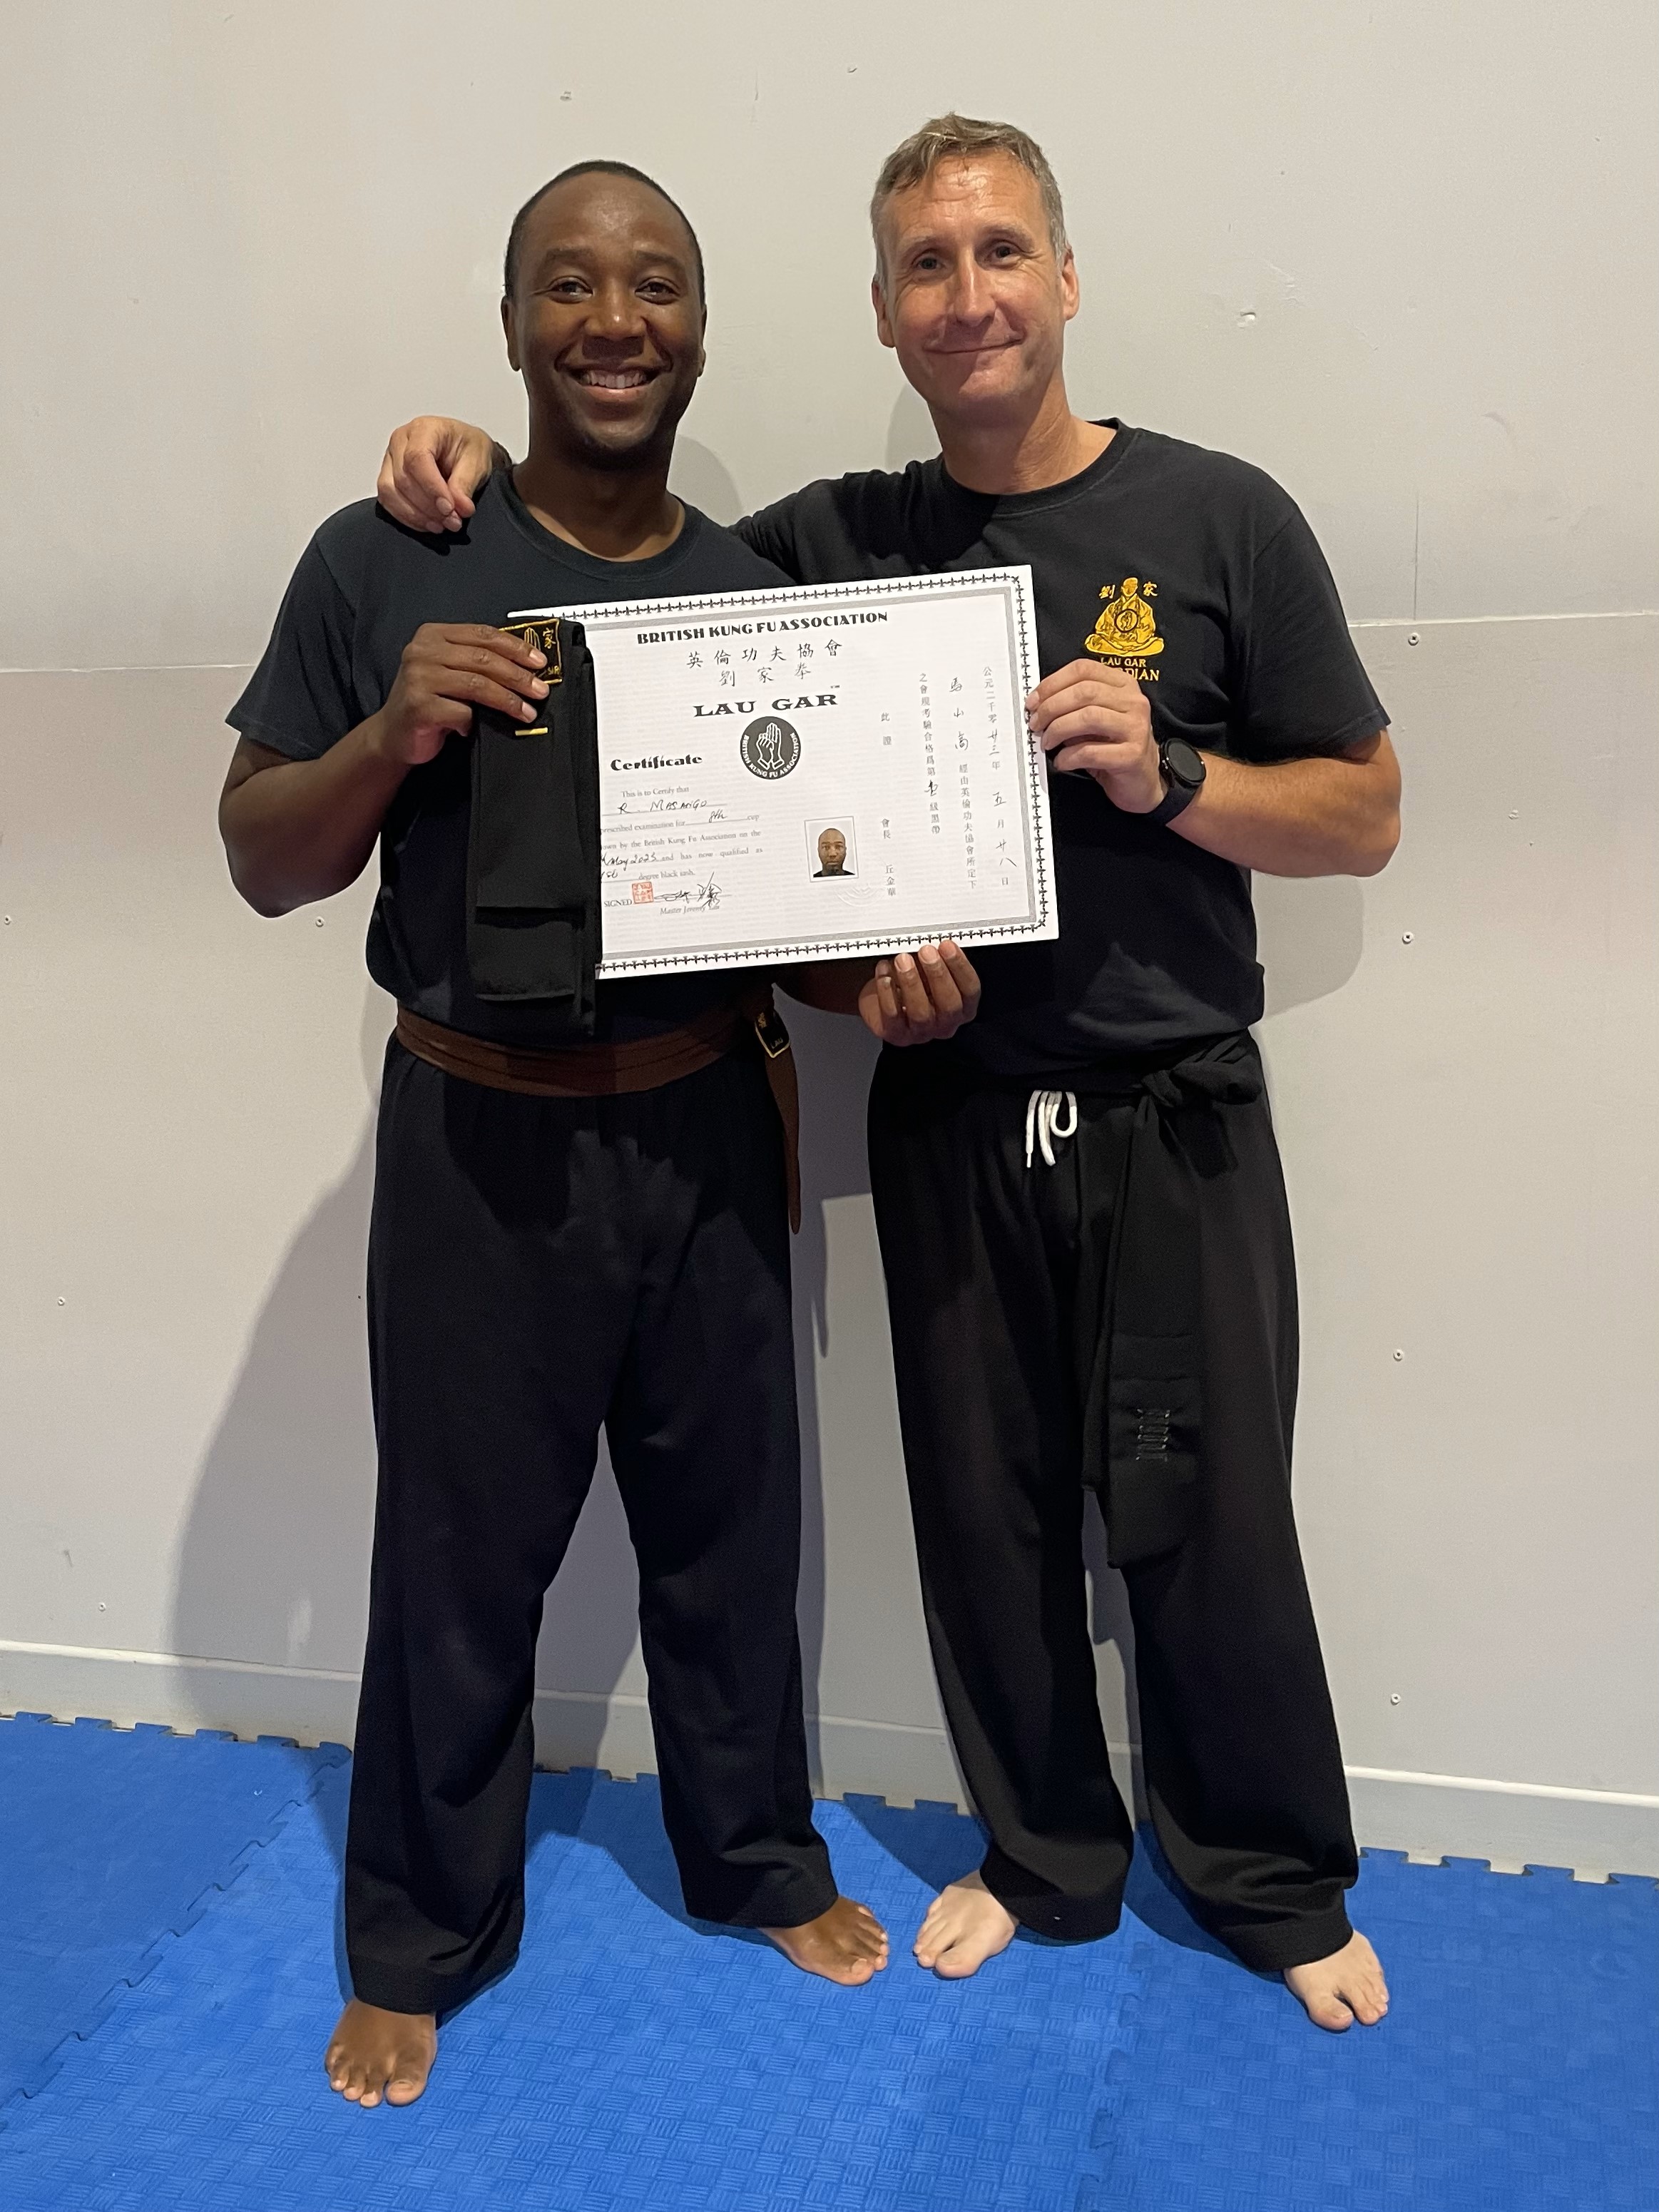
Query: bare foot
[[373, 2052], [846, 1944], [1345, 1987], [964, 1927]]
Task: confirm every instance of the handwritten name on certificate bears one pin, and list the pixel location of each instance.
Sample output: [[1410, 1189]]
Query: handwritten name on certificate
[[818, 773]]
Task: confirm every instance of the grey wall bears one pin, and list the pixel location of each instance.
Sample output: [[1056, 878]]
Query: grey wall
[[1403, 257]]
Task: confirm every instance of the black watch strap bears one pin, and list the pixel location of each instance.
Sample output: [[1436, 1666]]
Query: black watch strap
[[1175, 800], [1184, 783]]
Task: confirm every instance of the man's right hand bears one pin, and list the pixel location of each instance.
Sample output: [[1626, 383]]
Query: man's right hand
[[432, 466], [448, 669], [919, 999]]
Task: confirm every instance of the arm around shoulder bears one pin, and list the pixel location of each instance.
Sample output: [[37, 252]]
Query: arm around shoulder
[[433, 465]]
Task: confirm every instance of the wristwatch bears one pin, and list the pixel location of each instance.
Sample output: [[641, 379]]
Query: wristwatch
[[1183, 771]]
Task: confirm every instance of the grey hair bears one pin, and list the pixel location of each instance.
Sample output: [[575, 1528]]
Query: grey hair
[[954, 137]]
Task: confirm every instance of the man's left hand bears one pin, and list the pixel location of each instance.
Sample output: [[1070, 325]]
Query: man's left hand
[[1095, 720]]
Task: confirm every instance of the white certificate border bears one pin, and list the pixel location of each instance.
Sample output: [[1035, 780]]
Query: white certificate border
[[1016, 585]]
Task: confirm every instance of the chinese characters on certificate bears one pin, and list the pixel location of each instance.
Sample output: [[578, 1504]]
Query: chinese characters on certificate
[[822, 772]]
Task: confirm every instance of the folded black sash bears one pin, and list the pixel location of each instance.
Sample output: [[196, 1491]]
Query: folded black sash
[[1139, 1329], [532, 878]]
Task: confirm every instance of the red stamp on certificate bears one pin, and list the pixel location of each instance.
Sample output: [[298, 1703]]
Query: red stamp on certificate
[[644, 893]]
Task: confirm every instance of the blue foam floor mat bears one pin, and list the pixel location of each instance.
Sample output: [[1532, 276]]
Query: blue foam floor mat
[[636, 2059], [110, 1838]]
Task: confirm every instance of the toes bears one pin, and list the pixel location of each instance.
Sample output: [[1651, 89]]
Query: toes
[[1368, 1994], [1330, 2013], [402, 2089]]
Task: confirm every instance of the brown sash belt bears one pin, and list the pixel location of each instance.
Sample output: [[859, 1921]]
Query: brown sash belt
[[604, 1071]]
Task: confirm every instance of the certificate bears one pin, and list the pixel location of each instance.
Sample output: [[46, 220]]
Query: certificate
[[818, 773]]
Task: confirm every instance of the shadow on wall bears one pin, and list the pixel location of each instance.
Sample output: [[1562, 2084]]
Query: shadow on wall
[[703, 480], [274, 1564], [1311, 933], [910, 433], [700, 475]]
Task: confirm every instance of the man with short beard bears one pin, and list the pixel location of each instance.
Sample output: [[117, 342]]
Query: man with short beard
[[1083, 1224], [579, 1213]]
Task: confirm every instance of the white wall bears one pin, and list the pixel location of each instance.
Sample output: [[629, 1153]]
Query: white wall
[[1403, 257]]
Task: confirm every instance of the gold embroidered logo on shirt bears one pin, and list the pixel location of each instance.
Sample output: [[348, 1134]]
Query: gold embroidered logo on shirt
[[1126, 632]]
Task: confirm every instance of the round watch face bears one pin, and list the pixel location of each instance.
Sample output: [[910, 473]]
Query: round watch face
[[1185, 763]]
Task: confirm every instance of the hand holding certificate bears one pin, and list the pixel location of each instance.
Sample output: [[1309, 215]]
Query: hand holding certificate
[[817, 774]]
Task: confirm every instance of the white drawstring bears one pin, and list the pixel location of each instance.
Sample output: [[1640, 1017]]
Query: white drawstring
[[1044, 1125]]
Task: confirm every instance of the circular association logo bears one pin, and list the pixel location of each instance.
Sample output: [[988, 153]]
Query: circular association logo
[[770, 747]]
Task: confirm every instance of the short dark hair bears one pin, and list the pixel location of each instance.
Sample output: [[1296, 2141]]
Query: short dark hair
[[515, 236]]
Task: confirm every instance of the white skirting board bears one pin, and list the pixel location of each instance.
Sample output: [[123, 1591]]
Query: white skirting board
[[1514, 1823]]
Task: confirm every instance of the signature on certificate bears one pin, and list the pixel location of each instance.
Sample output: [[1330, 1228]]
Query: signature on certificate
[[704, 897], [704, 806]]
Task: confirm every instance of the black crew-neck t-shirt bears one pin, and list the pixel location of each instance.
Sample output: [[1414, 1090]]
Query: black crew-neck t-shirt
[[363, 587], [1220, 600]]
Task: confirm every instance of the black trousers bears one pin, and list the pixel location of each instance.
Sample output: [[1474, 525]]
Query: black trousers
[[1243, 1771], [539, 1268]]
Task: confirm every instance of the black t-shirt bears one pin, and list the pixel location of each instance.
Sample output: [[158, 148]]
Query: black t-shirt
[[1220, 598], [363, 587]]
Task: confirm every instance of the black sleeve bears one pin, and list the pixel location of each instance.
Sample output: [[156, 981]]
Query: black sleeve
[[773, 532], [300, 699], [1304, 689]]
